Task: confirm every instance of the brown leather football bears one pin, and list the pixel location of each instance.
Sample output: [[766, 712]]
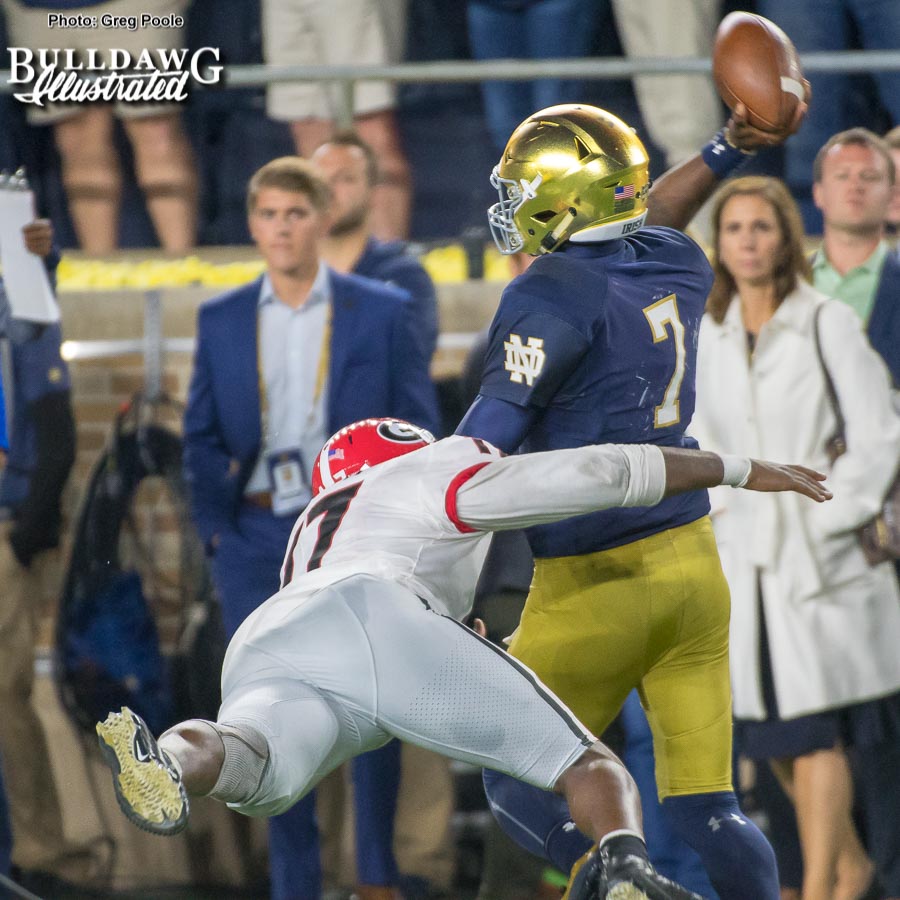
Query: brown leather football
[[755, 63]]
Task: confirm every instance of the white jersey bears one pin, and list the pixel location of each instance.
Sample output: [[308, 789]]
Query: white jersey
[[398, 521], [421, 520], [361, 643]]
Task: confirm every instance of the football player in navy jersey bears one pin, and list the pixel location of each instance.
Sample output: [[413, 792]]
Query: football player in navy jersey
[[597, 342]]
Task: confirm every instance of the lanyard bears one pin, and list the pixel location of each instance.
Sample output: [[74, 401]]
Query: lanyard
[[321, 376]]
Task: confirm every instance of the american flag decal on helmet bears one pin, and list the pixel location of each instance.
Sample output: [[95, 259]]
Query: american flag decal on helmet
[[623, 192]]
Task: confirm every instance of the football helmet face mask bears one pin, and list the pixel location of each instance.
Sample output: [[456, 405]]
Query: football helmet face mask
[[362, 445], [568, 172]]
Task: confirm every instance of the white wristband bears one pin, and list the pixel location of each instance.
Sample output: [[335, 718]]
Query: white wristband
[[737, 470]]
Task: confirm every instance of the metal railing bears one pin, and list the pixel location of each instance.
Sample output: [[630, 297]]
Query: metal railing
[[469, 71], [465, 71]]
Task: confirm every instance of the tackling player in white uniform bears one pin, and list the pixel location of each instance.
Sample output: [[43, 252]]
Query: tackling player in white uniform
[[364, 641]]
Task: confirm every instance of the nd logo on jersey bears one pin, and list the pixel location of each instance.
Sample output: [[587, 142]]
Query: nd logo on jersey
[[523, 362]]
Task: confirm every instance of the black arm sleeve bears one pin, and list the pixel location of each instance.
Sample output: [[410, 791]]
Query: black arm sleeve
[[37, 521]]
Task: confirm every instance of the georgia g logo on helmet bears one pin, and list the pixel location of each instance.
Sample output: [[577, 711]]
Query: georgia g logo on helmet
[[568, 172], [362, 445], [400, 431]]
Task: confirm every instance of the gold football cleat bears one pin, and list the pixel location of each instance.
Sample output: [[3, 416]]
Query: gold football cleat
[[148, 786]]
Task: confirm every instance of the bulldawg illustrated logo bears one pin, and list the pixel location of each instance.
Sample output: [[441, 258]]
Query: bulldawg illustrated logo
[[90, 76]]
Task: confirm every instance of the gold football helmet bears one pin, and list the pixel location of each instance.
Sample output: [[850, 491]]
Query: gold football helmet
[[568, 172]]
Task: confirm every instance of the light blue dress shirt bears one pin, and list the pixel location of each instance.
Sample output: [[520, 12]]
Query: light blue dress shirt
[[291, 344]]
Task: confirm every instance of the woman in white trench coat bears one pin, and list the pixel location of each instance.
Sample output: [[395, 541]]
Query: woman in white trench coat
[[815, 631]]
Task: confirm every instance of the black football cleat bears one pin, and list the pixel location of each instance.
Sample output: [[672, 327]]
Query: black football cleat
[[629, 877], [586, 877]]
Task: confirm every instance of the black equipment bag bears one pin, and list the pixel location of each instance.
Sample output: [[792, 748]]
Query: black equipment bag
[[108, 652]]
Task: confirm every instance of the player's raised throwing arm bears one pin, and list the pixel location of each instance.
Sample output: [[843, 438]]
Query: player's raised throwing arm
[[536, 488]]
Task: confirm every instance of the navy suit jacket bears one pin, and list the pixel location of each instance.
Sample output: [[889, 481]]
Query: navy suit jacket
[[884, 323], [378, 367], [392, 263]]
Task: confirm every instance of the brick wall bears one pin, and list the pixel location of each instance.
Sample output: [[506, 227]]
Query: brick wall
[[100, 387]]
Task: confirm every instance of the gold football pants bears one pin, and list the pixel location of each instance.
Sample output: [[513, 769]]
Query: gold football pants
[[651, 615]]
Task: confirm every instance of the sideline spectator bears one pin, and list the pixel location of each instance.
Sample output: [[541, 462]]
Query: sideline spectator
[[826, 25], [350, 167], [815, 629], [528, 29], [892, 221], [41, 454], [259, 409], [349, 32], [854, 178], [91, 168]]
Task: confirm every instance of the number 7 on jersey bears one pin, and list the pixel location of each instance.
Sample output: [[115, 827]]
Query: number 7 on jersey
[[665, 312]]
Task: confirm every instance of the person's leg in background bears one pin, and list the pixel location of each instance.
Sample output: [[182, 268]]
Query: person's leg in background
[[681, 112], [559, 29], [290, 38], [35, 814], [780, 824], [331, 800], [163, 158], [164, 165], [392, 197], [376, 779], [423, 836], [496, 33], [670, 855], [91, 170], [246, 571], [875, 767], [821, 787], [300, 31], [92, 177], [813, 25]]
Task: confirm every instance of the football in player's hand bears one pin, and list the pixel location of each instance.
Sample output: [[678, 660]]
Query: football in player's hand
[[755, 63]]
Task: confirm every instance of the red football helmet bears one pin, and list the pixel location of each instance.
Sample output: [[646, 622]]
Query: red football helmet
[[362, 445]]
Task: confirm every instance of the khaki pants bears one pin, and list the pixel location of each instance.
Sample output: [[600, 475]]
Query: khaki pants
[[34, 807]]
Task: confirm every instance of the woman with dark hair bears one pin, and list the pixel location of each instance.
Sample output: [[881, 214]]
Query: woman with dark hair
[[815, 628]]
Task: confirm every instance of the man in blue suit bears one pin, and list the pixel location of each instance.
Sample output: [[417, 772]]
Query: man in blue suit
[[280, 364]]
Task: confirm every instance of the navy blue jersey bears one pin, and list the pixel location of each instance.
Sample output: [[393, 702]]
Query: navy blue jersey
[[601, 339]]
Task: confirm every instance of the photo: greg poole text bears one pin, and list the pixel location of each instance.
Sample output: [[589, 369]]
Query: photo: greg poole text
[[123, 23]]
